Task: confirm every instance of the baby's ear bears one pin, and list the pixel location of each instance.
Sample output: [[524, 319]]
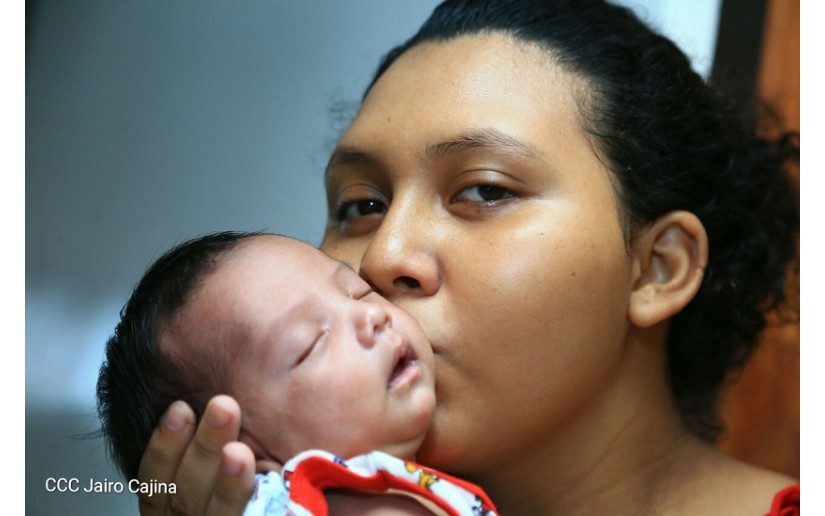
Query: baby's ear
[[669, 259]]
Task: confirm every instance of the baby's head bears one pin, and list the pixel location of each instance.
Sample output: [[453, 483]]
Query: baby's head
[[315, 358]]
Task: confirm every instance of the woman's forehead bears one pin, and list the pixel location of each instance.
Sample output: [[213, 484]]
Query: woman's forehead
[[473, 84], [472, 66]]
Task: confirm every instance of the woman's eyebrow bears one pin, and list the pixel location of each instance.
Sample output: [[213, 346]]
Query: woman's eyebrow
[[487, 137], [346, 155], [478, 138]]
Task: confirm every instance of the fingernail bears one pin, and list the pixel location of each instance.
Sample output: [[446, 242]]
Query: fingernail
[[217, 418], [175, 418], [231, 468]]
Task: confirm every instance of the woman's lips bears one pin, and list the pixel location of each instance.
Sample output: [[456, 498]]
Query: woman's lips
[[406, 369]]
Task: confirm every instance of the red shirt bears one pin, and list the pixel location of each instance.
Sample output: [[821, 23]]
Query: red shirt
[[786, 502]]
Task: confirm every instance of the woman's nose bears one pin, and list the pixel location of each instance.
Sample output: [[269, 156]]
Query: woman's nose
[[400, 259], [371, 319]]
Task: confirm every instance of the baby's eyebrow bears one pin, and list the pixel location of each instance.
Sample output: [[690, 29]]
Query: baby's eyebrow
[[342, 271], [344, 267]]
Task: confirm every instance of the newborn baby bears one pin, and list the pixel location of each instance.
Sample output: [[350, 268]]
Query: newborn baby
[[335, 382]]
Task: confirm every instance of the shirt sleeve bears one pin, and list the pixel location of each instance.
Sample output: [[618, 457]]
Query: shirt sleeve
[[786, 502]]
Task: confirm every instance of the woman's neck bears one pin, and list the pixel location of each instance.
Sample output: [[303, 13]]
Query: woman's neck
[[634, 462], [618, 455]]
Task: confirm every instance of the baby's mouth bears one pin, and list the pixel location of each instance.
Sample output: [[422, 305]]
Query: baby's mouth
[[406, 367]]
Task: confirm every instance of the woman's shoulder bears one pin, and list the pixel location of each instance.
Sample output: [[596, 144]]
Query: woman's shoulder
[[776, 495], [719, 484], [758, 491]]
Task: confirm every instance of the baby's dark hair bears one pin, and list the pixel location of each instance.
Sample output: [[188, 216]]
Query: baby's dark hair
[[138, 381], [672, 143]]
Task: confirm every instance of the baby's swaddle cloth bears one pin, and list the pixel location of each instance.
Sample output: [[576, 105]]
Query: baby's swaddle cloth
[[299, 489]]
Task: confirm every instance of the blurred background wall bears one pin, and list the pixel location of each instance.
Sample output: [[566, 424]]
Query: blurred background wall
[[148, 122]]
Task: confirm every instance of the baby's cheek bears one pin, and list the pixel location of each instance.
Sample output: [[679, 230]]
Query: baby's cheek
[[348, 393], [427, 411]]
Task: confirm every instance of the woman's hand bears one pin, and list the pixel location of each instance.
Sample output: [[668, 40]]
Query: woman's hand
[[212, 472]]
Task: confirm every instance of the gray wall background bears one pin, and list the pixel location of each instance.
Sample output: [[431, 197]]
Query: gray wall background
[[148, 122]]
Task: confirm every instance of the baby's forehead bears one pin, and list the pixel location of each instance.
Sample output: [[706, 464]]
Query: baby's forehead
[[296, 256], [270, 282], [286, 244], [272, 273], [285, 249]]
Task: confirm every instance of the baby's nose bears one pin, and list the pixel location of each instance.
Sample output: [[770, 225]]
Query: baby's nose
[[372, 318]]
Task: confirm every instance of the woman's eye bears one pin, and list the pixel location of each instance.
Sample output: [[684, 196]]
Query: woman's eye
[[486, 193], [354, 209]]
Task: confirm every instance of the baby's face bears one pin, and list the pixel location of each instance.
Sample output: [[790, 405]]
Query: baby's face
[[320, 360]]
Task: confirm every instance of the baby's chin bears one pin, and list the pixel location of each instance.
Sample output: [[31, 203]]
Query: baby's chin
[[401, 439], [408, 445], [404, 446], [404, 450]]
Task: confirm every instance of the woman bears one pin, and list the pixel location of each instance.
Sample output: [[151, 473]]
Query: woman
[[589, 237]]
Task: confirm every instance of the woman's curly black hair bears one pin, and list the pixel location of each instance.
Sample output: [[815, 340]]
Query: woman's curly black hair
[[672, 143]]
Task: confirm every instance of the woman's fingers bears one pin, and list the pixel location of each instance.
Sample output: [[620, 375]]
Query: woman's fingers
[[164, 453], [206, 477], [236, 479], [198, 471]]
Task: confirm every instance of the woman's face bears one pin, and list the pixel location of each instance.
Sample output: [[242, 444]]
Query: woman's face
[[466, 192]]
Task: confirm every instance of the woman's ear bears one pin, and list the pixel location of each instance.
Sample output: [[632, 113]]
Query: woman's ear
[[669, 259]]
